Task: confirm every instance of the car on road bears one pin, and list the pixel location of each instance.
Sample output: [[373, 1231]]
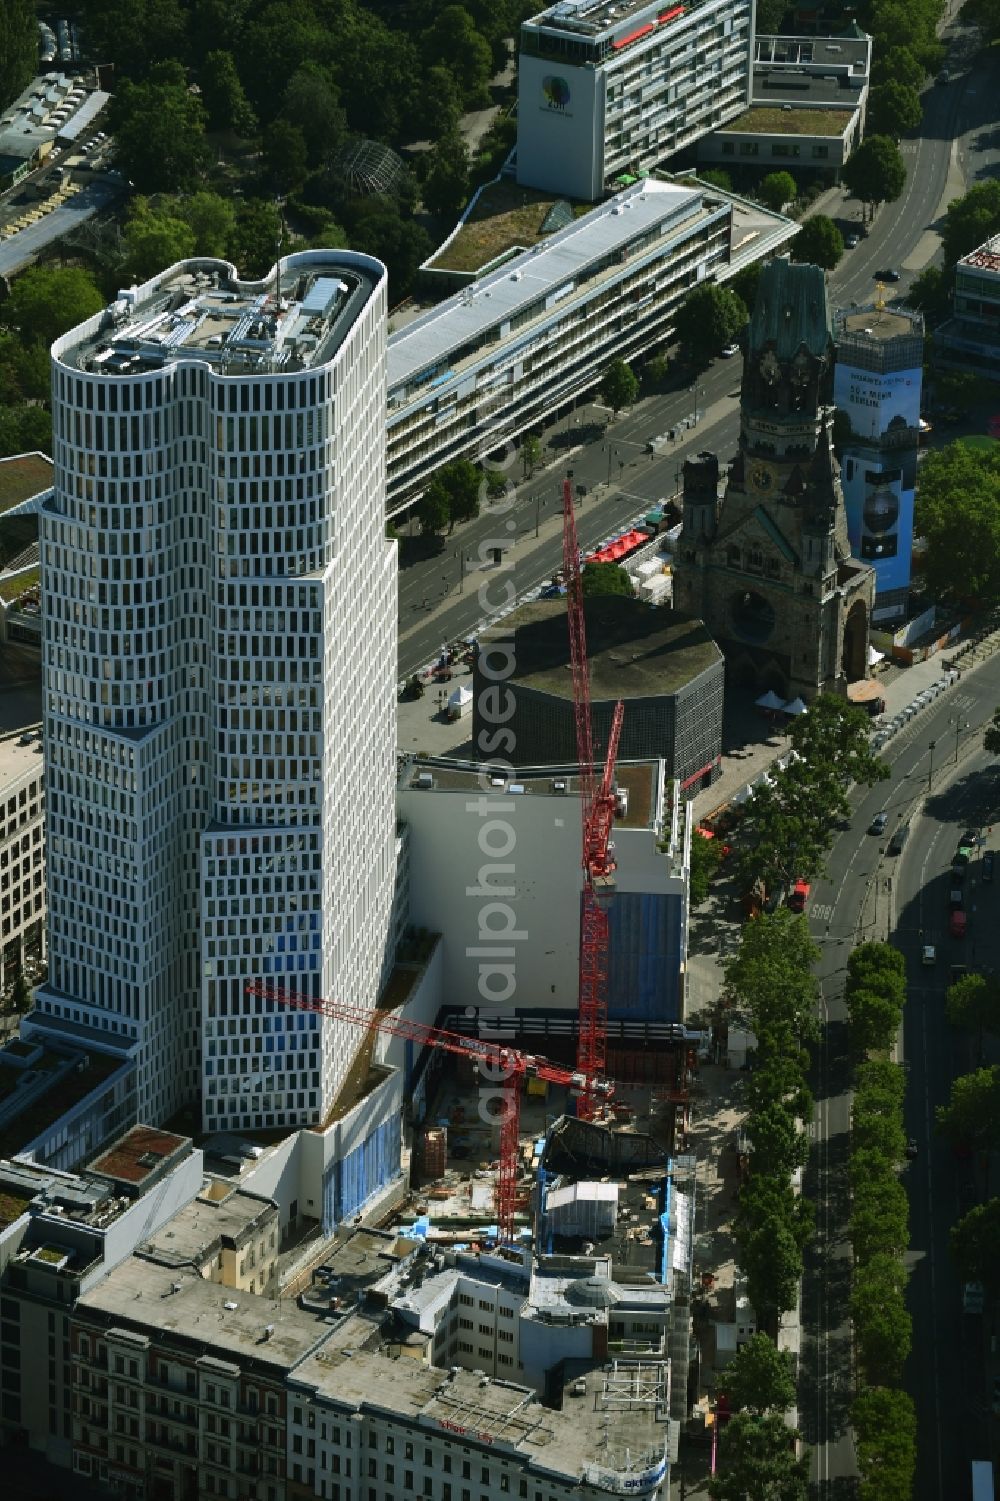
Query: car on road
[[956, 898], [970, 837], [911, 1148], [898, 838], [958, 922], [878, 823], [799, 897], [888, 273], [972, 1297], [851, 242], [942, 77], [987, 870], [963, 854], [928, 955], [729, 350]]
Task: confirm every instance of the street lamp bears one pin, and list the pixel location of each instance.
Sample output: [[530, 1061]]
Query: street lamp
[[930, 766], [960, 724]]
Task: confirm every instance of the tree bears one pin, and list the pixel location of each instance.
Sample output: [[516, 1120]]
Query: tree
[[931, 291], [155, 239], [972, 1115], [986, 15], [440, 102], [25, 429], [898, 65], [531, 454], [45, 301], [401, 243], [771, 976], [619, 387], [706, 856], [254, 246], [432, 509], [18, 48], [716, 177], [446, 186], [605, 578], [880, 1221], [974, 1001], [709, 318], [212, 220], [776, 189], [760, 1377], [223, 96], [312, 104], [876, 173], [958, 512], [20, 996], [284, 156], [779, 1147], [756, 1458], [656, 370], [779, 1077], [463, 485], [893, 109], [770, 14], [974, 1245], [885, 1431], [160, 134], [772, 1260], [453, 41], [971, 220], [819, 242], [873, 1018], [882, 1326]]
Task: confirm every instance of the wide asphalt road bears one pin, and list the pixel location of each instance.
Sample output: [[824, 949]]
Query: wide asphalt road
[[438, 596], [866, 894]]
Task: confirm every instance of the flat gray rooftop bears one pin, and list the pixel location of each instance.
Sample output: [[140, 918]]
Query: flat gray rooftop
[[198, 311], [812, 51], [640, 778], [527, 279], [594, 18], [880, 324], [137, 1295], [635, 650], [788, 86], [194, 1230]]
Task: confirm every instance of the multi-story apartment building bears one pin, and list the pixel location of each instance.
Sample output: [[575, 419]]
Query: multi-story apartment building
[[22, 853], [219, 673], [970, 340], [503, 353], [608, 88]]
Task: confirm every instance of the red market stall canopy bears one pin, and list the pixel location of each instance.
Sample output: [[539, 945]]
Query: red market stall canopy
[[620, 548]]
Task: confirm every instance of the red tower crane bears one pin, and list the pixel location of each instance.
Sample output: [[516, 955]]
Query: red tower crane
[[509, 1068], [598, 811]]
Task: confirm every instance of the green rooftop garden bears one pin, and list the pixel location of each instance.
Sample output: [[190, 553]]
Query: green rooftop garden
[[505, 218], [771, 119]]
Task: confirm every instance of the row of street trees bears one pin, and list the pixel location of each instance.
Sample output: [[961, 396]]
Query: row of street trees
[[882, 1414], [788, 827], [770, 986], [957, 511]]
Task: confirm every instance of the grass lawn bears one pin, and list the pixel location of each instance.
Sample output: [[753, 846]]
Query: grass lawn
[[505, 216], [771, 119], [13, 587], [978, 440], [22, 477]]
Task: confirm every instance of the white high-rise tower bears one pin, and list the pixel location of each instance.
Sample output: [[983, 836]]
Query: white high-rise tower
[[219, 602]]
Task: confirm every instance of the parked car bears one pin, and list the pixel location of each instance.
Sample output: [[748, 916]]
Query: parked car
[[899, 838], [972, 1297], [851, 242], [878, 823], [729, 350], [911, 1147], [970, 837], [888, 273], [956, 898], [928, 955], [987, 871], [942, 77], [963, 855], [958, 922]]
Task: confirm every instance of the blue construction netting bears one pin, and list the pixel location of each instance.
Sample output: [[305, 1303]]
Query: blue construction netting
[[665, 1228], [353, 1179]]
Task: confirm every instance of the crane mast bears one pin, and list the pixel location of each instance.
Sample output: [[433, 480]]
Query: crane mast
[[597, 815], [510, 1066]]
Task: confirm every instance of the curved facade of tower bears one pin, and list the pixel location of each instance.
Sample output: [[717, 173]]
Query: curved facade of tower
[[219, 679]]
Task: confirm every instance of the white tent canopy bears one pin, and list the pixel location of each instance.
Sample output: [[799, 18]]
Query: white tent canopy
[[795, 706], [769, 700]]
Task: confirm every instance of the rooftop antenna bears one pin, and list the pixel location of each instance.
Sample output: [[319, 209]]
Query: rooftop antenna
[[277, 259]]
